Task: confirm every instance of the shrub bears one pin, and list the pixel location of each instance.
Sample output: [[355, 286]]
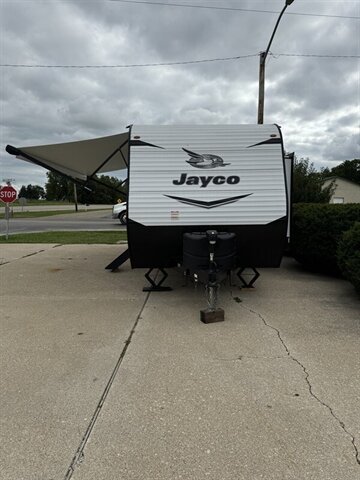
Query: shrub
[[316, 232], [348, 255]]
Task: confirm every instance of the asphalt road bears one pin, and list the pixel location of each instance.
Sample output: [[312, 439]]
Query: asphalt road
[[42, 208], [90, 220]]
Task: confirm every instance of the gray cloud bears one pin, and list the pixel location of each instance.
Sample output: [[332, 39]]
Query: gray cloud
[[315, 100]]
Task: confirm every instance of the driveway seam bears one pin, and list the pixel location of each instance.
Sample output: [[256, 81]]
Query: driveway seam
[[21, 258], [79, 455], [29, 255]]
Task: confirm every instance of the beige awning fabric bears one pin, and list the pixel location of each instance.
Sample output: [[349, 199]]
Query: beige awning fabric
[[81, 159]]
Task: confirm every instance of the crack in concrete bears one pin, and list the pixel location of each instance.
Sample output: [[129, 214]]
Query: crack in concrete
[[79, 456], [252, 357], [310, 387]]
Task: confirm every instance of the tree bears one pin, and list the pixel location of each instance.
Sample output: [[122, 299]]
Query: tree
[[58, 187], [32, 192], [349, 169], [22, 192], [107, 191], [308, 183], [101, 190]]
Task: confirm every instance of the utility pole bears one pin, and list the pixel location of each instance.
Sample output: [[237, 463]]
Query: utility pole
[[75, 198], [261, 88], [263, 56]]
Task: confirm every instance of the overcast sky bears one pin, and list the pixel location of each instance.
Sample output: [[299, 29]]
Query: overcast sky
[[315, 99]]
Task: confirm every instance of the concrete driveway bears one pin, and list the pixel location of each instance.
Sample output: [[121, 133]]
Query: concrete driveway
[[102, 381]]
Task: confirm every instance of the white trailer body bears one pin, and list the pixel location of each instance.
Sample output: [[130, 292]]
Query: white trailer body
[[242, 182], [230, 178], [182, 178]]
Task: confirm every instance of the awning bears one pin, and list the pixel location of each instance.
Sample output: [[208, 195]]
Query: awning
[[79, 160]]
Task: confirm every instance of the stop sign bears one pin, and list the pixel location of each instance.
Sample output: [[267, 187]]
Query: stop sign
[[8, 194]]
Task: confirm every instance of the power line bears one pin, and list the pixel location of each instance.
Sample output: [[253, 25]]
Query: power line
[[312, 55], [161, 64], [186, 62], [209, 7]]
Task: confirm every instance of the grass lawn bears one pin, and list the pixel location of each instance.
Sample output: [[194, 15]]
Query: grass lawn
[[108, 237]]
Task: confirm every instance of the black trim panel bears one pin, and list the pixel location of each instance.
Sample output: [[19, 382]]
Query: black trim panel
[[270, 141], [140, 143], [257, 245]]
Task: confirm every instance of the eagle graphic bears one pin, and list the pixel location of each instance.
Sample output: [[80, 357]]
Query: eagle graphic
[[204, 160]]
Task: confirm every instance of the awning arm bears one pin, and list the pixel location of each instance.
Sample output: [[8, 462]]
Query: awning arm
[[110, 157], [123, 194]]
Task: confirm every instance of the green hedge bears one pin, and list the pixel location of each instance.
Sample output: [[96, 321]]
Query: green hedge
[[348, 255], [316, 232]]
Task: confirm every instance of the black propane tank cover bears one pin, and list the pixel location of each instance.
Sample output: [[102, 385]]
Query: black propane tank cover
[[196, 251]]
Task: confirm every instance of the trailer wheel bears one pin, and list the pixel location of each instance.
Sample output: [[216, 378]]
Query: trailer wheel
[[123, 218]]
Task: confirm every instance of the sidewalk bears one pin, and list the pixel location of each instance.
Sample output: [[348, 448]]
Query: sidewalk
[[100, 381]]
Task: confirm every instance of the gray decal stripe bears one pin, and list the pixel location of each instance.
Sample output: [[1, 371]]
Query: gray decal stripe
[[270, 141], [203, 204]]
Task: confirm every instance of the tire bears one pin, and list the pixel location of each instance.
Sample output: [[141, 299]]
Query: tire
[[123, 217]]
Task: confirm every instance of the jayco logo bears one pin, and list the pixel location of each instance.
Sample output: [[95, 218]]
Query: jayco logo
[[205, 161]]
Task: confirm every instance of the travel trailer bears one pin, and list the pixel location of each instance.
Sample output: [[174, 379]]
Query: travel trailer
[[207, 198]]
